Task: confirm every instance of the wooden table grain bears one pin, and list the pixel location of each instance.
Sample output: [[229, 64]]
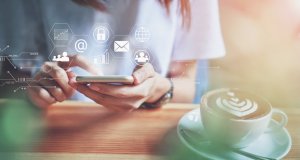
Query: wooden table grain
[[76, 131]]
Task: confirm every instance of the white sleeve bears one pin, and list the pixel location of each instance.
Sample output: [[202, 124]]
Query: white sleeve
[[204, 39]]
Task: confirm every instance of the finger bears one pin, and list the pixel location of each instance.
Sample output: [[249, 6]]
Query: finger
[[40, 75], [34, 97], [90, 93], [71, 74], [59, 75], [79, 61], [72, 80], [101, 99], [141, 73], [54, 90], [42, 94], [52, 86], [128, 91]]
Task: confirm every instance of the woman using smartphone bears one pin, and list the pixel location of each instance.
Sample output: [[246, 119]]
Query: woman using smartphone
[[182, 32]]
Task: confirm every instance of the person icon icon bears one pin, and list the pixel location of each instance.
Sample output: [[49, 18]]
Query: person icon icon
[[61, 58], [141, 57], [65, 57], [54, 58]]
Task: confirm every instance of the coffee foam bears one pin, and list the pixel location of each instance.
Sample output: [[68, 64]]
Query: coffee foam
[[235, 106]]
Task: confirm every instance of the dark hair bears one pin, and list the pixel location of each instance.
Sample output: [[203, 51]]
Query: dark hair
[[185, 7]]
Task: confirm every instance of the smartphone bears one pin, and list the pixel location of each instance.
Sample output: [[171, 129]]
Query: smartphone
[[116, 79]]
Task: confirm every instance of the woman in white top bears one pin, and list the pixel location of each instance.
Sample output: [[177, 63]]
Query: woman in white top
[[182, 32]]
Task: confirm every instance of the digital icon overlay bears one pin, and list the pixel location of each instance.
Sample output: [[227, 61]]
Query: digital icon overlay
[[121, 46], [64, 42], [102, 59], [61, 34], [61, 58], [141, 57], [142, 34], [101, 34], [81, 45]]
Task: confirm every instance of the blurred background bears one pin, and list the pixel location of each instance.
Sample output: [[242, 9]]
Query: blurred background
[[262, 40]]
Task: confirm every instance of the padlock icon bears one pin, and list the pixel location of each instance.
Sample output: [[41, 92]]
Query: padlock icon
[[101, 35]]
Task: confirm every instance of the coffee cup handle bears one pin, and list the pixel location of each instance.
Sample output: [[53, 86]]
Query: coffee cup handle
[[282, 123]]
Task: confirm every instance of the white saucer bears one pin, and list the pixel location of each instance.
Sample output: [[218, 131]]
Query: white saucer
[[274, 144]]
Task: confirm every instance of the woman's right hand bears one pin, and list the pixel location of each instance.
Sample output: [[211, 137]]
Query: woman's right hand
[[50, 84]]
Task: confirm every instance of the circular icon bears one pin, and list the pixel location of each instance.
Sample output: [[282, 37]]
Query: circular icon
[[142, 34], [101, 34], [81, 45], [141, 57]]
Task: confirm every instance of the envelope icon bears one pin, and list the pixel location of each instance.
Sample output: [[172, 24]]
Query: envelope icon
[[121, 46]]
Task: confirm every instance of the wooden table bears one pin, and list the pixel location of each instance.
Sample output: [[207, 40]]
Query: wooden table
[[78, 131]]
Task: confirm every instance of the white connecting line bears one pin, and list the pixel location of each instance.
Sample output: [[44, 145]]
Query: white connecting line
[[28, 82], [5, 48]]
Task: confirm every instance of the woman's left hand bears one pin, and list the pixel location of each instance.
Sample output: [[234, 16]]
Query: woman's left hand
[[148, 86]]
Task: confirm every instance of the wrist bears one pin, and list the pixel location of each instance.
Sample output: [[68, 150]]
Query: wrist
[[160, 88]]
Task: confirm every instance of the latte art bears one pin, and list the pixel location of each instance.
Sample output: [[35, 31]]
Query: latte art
[[236, 107], [236, 104], [236, 118]]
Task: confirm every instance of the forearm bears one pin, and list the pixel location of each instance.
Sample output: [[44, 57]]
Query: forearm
[[184, 90], [184, 77], [184, 84]]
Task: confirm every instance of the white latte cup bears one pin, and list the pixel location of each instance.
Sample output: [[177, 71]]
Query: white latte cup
[[237, 132]]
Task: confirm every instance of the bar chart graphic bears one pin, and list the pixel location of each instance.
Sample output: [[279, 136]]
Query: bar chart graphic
[[2, 58], [102, 59]]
